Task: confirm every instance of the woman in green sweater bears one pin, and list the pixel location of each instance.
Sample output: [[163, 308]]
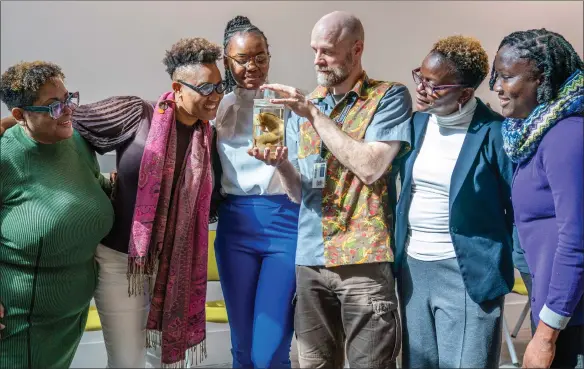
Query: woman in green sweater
[[54, 210]]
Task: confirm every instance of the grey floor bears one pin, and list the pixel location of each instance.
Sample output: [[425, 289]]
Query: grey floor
[[91, 352]]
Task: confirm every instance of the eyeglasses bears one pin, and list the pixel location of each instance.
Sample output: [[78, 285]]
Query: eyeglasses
[[260, 60], [430, 88], [57, 109], [207, 88]]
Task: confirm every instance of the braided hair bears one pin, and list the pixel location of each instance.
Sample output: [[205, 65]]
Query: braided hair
[[239, 24], [554, 58]]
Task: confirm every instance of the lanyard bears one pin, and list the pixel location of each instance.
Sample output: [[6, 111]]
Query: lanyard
[[339, 121]]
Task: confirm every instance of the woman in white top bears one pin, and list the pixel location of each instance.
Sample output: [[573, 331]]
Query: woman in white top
[[454, 216], [257, 223]]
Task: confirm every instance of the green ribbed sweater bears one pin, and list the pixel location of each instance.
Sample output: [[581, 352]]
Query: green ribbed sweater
[[53, 213]]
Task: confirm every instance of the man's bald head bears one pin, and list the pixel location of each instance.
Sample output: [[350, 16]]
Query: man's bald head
[[337, 41], [339, 26]]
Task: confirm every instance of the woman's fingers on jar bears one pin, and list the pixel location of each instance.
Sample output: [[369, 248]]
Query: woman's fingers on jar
[[268, 157], [281, 154], [255, 152]]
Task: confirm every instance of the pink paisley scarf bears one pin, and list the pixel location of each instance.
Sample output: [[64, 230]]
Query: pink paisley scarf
[[169, 240]]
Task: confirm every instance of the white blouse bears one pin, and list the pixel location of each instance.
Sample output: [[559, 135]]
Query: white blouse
[[429, 216], [242, 173]]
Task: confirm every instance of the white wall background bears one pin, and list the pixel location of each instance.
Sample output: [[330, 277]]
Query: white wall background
[[116, 47]]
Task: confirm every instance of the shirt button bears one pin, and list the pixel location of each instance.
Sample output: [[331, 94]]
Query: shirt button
[[454, 229], [533, 299]]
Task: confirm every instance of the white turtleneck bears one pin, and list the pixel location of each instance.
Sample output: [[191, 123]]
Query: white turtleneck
[[429, 235], [242, 174]]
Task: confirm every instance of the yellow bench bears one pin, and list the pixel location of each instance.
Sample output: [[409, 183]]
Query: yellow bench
[[519, 287], [215, 310], [93, 322]]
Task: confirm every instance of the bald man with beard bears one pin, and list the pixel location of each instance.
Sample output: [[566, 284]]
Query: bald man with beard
[[341, 141]]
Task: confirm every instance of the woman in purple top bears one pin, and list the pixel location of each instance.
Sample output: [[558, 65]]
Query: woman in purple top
[[539, 79]]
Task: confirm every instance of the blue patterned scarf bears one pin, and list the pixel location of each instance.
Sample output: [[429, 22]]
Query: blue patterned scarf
[[521, 137]]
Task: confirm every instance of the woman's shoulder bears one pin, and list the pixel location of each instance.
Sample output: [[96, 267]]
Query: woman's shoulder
[[81, 145], [419, 118], [9, 134], [8, 142], [567, 132], [114, 108], [109, 123], [573, 122], [12, 140], [227, 101], [12, 152], [225, 105], [490, 116], [491, 120]]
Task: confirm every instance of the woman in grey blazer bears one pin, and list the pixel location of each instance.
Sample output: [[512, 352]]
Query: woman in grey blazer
[[453, 218]]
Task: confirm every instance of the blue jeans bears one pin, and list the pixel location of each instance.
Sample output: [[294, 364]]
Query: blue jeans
[[255, 249]]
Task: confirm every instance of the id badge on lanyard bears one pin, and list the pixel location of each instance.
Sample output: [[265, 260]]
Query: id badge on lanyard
[[320, 165], [319, 174]]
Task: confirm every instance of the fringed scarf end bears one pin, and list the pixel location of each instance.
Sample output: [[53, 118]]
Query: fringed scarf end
[[194, 355], [197, 353], [138, 277], [153, 339]]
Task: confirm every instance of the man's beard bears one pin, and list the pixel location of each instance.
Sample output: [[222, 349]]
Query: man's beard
[[335, 75]]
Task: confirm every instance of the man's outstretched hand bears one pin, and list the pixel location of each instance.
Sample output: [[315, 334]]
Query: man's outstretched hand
[[292, 98]]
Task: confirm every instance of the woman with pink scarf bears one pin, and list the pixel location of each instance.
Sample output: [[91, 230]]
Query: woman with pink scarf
[[159, 240], [153, 263]]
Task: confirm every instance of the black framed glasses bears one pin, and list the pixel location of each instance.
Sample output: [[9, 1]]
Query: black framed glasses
[[430, 88], [261, 60], [57, 109], [207, 88]]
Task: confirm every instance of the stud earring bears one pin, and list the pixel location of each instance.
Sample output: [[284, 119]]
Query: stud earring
[[163, 105]]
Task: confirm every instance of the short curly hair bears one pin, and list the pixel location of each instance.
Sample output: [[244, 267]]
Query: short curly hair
[[470, 60], [20, 84], [553, 56], [190, 51]]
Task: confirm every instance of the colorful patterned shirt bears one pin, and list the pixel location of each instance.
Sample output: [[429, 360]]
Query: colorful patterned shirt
[[347, 221]]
